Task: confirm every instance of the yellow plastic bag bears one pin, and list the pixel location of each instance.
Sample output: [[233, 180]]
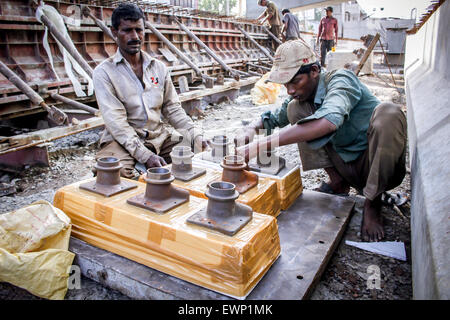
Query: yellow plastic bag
[[265, 93], [34, 255]]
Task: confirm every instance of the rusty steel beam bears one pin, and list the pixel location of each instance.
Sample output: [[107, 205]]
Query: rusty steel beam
[[209, 82], [75, 104], [234, 73], [257, 66], [54, 114], [86, 11], [272, 35], [249, 37]]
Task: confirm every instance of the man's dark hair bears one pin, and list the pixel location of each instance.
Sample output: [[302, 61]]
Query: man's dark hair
[[329, 9], [307, 68], [126, 11], [285, 11]]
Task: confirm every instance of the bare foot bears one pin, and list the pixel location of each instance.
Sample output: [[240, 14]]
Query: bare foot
[[372, 223]]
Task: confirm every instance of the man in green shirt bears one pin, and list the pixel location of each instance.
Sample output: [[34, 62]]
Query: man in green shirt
[[339, 125], [273, 16]]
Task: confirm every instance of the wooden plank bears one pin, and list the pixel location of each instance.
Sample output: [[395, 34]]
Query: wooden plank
[[217, 89], [23, 141], [367, 53]]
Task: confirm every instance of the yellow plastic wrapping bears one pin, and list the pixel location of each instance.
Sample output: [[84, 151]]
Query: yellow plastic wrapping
[[262, 198], [290, 187], [165, 242], [34, 255], [265, 93]]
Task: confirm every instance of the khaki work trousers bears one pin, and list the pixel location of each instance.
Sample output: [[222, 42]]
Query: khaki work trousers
[[114, 149], [380, 168]]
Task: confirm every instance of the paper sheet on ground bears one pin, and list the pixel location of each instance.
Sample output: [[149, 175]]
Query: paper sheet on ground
[[391, 249]]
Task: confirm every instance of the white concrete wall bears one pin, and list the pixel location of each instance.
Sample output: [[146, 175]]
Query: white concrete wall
[[427, 78]]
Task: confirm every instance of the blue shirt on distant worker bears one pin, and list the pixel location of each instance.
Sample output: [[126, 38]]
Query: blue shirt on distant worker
[[342, 99]]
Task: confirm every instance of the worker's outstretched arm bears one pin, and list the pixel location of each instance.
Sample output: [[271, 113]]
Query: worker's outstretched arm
[[297, 133], [268, 121]]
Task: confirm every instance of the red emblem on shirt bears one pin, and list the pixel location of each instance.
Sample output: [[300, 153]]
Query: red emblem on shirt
[[154, 80]]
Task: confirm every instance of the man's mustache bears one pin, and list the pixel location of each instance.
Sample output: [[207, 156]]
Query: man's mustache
[[133, 42]]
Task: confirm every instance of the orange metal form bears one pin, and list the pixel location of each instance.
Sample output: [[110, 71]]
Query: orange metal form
[[22, 51]]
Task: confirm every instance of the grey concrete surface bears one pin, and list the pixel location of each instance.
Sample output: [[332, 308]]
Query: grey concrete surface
[[309, 231], [427, 74]]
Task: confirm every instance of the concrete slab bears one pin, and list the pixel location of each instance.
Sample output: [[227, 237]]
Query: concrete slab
[[309, 232], [426, 77]]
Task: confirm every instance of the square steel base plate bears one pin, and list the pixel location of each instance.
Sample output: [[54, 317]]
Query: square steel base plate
[[179, 196], [273, 169], [208, 157], [229, 226], [108, 191], [195, 173]]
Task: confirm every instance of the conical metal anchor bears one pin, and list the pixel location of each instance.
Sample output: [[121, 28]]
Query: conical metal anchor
[[108, 181], [233, 171], [220, 147], [160, 196], [182, 164], [268, 162], [222, 213]]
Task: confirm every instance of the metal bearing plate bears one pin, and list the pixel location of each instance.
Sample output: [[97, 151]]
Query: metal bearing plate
[[108, 190], [208, 157], [160, 206], [188, 176], [229, 225], [272, 170]]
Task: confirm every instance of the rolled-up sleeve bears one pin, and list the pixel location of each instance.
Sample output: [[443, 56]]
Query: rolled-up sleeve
[[115, 117], [343, 95], [174, 112]]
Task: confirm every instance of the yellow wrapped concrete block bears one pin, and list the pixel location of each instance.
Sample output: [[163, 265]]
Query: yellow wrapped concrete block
[[34, 255], [265, 93], [231, 265], [290, 187]]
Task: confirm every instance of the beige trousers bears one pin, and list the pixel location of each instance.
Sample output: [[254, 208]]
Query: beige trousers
[[380, 168], [114, 149]]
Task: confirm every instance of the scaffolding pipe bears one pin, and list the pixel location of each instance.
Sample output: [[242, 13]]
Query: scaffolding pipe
[[249, 37], [209, 82]]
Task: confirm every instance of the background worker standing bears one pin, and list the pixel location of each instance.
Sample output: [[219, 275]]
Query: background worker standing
[[273, 16], [290, 30], [328, 31]]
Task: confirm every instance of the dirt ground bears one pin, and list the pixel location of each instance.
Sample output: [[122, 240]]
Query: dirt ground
[[345, 277]]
